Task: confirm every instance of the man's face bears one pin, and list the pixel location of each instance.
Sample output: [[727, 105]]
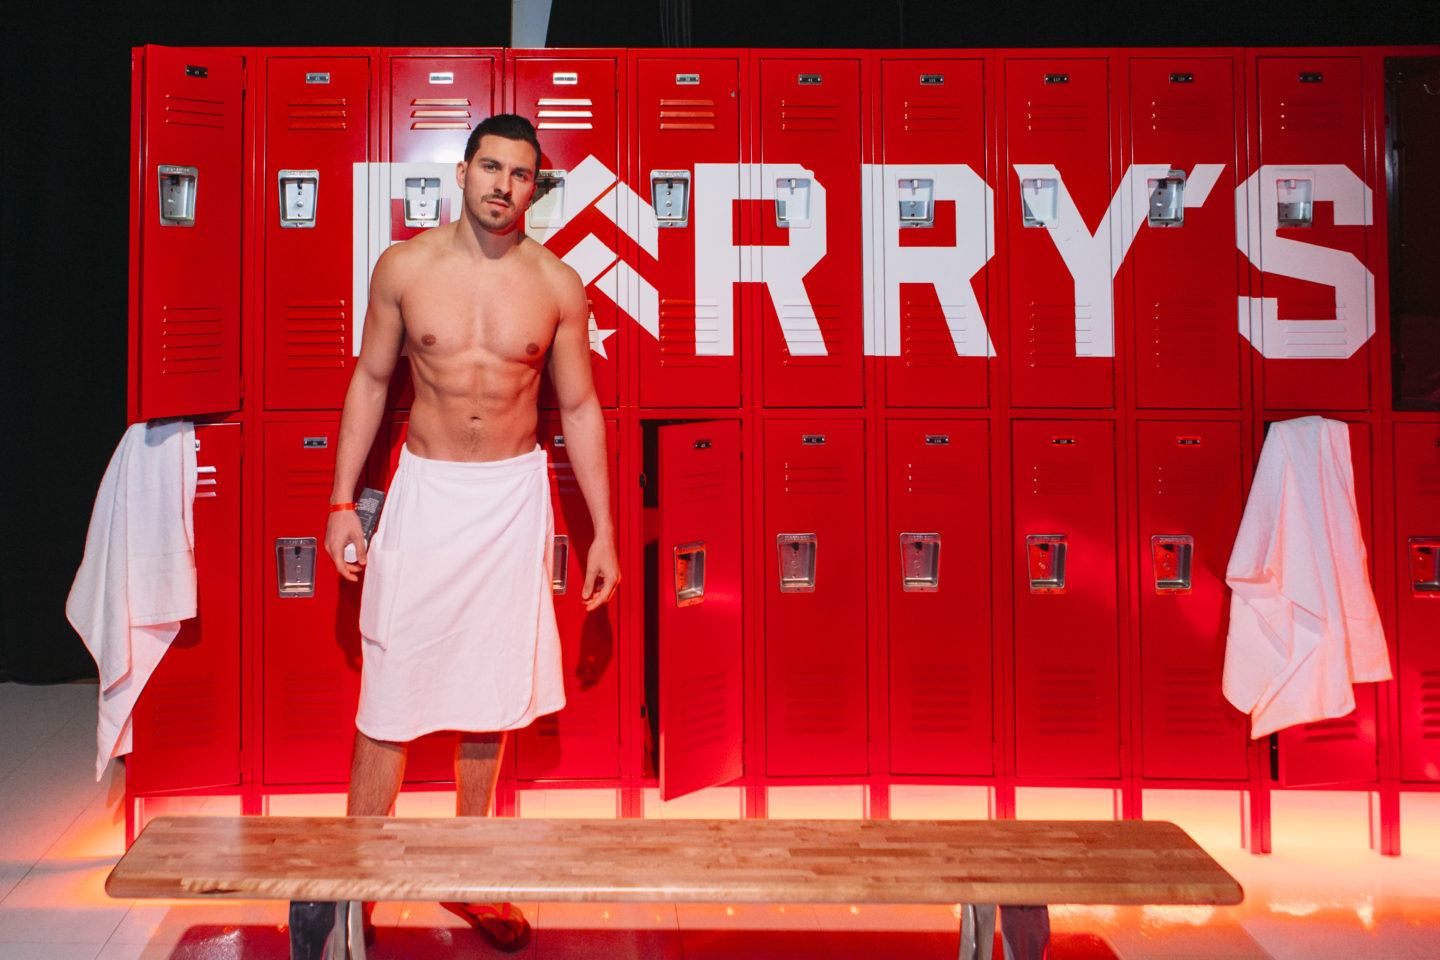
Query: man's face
[[498, 182]]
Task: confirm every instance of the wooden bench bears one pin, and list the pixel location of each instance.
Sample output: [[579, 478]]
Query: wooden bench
[[672, 861]]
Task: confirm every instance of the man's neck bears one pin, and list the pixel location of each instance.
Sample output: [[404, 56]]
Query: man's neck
[[474, 240]]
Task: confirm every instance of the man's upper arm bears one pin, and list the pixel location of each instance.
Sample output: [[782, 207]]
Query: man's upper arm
[[570, 352], [384, 330]]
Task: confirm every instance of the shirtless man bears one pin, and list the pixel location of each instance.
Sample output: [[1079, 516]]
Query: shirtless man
[[480, 308]]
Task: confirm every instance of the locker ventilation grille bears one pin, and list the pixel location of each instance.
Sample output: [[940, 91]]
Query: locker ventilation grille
[[814, 700], [1183, 481], [1058, 117], [194, 112], [1185, 336], [935, 480], [315, 335], [805, 480], [928, 340], [940, 700], [326, 114], [796, 316], [701, 486], [1061, 480], [1310, 116], [1059, 333], [1182, 115], [934, 117], [183, 714], [1427, 481], [1341, 730], [1069, 702], [190, 340], [1430, 704], [684, 325], [809, 117], [564, 475], [564, 113], [687, 114], [311, 482], [1191, 703], [440, 113], [703, 711], [314, 709]]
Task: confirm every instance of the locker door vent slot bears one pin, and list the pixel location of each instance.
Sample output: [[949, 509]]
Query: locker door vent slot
[[1167, 200], [1039, 201], [422, 201], [690, 574], [1425, 566], [1294, 202], [295, 566], [547, 209], [560, 564], [177, 195], [917, 202], [299, 197], [920, 562], [1171, 557], [670, 197], [797, 562], [1045, 553]]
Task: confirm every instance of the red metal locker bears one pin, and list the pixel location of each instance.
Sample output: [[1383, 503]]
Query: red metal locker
[[187, 721], [937, 233], [1310, 212], [687, 174], [191, 191], [1059, 179], [1183, 267], [1417, 528], [1066, 654], [573, 103], [316, 130], [699, 600], [937, 570], [1343, 750], [1190, 505], [812, 314], [310, 640], [582, 741], [813, 554]]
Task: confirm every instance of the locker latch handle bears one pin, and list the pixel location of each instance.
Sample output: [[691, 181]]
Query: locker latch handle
[[1294, 202], [1045, 556], [1039, 201], [690, 574], [670, 197], [797, 561], [1425, 566], [547, 206], [917, 202], [560, 564], [920, 562], [299, 197], [177, 194], [792, 202], [422, 201], [1167, 200], [295, 566], [1171, 557]]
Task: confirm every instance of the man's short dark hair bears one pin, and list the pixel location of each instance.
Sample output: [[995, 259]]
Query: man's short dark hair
[[508, 125]]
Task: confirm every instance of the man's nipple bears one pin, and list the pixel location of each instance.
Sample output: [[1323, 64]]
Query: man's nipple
[[532, 349], [428, 339]]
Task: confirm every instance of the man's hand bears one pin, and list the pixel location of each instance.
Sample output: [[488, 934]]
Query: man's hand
[[602, 574], [343, 529]]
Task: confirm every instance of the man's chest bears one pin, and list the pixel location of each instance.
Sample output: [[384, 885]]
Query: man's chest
[[462, 318]]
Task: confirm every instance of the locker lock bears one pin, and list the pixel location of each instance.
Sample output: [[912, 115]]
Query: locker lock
[[1171, 557], [1167, 200], [1425, 566], [917, 202], [670, 197], [295, 566], [547, 206], [422, 201], [177, 195], [792, 202], [299, 197], [690, 574], [797, 562], [1039, 201], [1294, 202], [560, 564], [1045, 556], [920, 562]]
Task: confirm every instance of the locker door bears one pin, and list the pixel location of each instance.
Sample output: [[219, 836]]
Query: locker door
[[316, 130], [814, 557], [1317, 297], [1190, 506], [187, 721], [572, 102], [1183, 266], [434, 104], [699, 599], [937, 561], [812, 315], [938, 232], [190, 253], [1066, 655], [583, 740], [1059, 181], [1343, 750], [1417, 510], [311, 641]]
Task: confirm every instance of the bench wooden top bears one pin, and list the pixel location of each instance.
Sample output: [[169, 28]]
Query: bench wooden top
[[680, 861]]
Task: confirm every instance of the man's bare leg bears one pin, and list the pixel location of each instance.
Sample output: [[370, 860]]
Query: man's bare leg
[[477, 767], [376, 769]]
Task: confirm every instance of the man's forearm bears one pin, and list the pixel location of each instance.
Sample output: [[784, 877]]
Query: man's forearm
[[584, 430], [360, 419]]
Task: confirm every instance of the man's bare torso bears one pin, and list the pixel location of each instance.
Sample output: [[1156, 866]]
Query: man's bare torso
[[477, 333]]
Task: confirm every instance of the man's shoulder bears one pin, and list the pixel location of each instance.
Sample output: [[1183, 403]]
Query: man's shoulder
[[558, 275]]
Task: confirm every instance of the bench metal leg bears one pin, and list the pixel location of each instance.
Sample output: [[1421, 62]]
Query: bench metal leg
[[977, 931], [1024, 931], [322, 930]]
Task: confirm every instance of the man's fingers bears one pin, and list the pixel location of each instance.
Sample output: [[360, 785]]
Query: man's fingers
[[588, 590]]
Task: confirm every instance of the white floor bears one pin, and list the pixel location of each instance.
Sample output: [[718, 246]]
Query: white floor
[[1322, 894]]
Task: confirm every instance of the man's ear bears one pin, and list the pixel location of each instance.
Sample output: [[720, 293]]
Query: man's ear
[[460, 173]]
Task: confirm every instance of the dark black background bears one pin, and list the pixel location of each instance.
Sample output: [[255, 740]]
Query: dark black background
[[64, 215]]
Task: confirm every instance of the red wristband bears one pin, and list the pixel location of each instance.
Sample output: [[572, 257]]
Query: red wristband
[[337, 507]]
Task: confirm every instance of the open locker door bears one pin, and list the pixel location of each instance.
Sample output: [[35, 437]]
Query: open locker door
[[701, 703]]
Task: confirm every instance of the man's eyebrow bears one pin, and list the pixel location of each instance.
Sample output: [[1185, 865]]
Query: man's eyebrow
[[496, 161]]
